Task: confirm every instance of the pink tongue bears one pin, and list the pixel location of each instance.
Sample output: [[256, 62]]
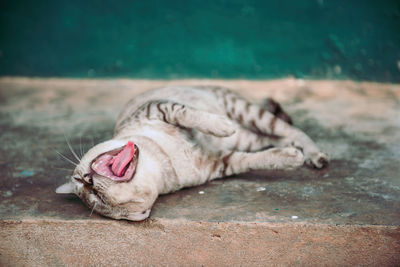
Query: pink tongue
[[122, 160]]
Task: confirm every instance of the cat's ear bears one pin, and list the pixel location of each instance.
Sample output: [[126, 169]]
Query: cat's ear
[[67, 188]]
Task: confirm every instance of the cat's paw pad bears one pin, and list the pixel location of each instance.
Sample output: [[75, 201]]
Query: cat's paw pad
[[317, 160], [223, 127]]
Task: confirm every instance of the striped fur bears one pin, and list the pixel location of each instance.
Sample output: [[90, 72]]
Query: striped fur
[[187, 136]]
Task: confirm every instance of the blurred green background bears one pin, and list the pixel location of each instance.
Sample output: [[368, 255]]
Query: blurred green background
[[259, 39]]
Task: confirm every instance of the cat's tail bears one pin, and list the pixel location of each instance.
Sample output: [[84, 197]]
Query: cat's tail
[[276, 109]]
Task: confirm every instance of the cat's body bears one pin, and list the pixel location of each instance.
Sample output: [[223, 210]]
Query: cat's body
[[185, 136]]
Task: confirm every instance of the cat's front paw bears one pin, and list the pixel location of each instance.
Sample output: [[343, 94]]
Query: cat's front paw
[[223, 127], [317, 160]]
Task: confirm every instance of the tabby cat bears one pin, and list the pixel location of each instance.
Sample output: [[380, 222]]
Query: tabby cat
[[176, 137]]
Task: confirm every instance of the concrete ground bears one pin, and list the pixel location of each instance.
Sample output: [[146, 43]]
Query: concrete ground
[[345, 215]]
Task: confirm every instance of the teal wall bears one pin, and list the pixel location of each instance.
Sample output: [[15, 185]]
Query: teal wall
[[208, 39]]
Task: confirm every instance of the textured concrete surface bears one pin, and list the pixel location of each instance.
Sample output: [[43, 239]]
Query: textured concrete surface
[[189, 243], [347, 214]]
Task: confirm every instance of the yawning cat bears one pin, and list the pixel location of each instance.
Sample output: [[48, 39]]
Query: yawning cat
[[176, 137]]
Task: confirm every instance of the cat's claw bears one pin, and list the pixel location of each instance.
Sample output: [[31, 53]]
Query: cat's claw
[[317, 160]]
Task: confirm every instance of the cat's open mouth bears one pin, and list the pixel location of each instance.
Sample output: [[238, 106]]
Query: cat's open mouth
[[119, 164]]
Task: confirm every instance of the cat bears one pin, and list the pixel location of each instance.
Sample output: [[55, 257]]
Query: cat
[[176, 137]]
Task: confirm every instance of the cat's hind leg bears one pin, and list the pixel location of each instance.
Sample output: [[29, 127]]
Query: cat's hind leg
[[242, 140], [234, 162], [259, 120]]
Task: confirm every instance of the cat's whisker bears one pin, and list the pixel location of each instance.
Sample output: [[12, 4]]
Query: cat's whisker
[[63, 169], [94, 206], [67, 159], [70, 148], [80, 146]]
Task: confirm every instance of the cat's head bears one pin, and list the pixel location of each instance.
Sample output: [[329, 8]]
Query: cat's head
[[109, 180]]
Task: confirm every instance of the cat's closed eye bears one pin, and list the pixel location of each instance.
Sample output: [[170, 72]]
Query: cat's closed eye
[[78, 179], [86, 179]]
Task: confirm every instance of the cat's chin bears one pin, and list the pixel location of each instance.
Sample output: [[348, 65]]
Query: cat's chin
[[138, 216]]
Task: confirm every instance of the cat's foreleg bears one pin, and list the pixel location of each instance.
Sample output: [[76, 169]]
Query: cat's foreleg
[[231, 163], [184, 116]]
